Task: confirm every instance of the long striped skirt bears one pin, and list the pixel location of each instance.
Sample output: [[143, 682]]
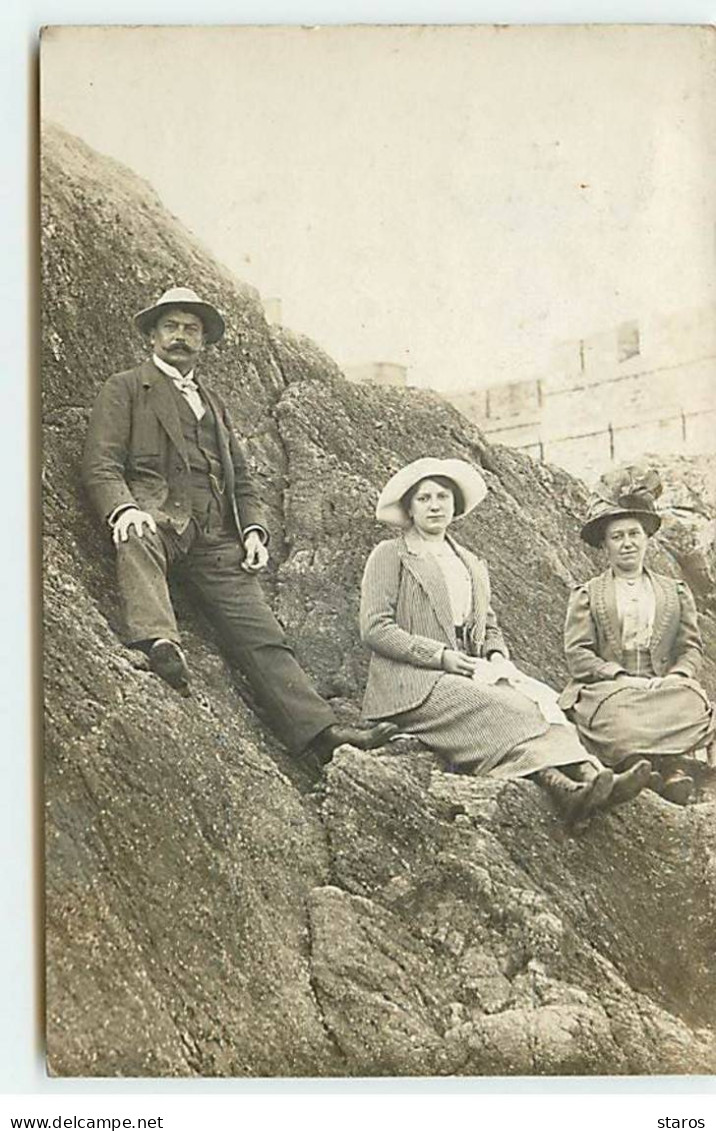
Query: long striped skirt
[[490, 729], [672, 716]]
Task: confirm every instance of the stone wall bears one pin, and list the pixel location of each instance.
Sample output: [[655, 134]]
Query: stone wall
[[643, 386]]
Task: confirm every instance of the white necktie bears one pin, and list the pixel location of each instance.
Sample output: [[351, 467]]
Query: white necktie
[[190, 392]]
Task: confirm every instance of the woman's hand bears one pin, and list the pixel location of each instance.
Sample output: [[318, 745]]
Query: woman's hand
[[457, 663], [505, 666], [633, 680]]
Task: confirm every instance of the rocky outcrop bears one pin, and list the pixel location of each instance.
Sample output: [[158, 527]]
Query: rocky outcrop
[[211, 908], [470, 933], [688, 533]]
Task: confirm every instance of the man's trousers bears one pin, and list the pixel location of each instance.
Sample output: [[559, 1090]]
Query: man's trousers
[[251, 637]]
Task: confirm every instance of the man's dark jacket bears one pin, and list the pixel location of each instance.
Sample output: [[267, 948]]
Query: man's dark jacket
[[136, 453]]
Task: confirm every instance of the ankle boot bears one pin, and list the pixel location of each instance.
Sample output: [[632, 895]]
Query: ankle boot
[[678, 783], [575, 800], [678, 788], [630, 782], [656, 780]]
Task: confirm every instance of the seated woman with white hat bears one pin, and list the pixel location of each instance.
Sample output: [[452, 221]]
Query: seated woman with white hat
[[439, 667]]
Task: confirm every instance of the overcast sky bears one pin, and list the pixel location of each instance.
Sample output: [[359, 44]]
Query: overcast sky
[[453, 199]]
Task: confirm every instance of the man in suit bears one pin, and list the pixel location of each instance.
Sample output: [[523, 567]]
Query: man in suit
[[164, 470]]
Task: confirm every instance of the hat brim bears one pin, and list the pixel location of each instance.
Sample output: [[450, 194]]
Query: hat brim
[[593, 531], [213, 323], [467, 478]]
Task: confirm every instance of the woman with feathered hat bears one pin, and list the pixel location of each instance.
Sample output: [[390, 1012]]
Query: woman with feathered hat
[[439, 667], [633, 645]]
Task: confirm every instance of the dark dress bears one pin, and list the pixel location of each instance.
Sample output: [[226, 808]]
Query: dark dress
[[667, 712]]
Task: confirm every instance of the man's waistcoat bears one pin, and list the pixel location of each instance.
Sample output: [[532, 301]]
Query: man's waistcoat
[[138, 452]]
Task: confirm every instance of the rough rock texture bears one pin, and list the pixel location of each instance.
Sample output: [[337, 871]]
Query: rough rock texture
[[210, 908], [688, 532]]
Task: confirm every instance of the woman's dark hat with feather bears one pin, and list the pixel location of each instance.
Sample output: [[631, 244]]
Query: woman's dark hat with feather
[[626, 492]]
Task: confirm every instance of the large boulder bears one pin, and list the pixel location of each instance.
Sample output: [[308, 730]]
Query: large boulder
[[211, 909]]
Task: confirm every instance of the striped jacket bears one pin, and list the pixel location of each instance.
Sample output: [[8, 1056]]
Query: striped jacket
[[592, 636], [406, 621]]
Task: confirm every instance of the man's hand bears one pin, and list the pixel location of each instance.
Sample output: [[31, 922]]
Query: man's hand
[[256, 553], [132, 519], [457, 663]]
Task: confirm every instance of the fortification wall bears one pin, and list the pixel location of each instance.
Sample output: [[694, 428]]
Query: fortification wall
[[641, 386]]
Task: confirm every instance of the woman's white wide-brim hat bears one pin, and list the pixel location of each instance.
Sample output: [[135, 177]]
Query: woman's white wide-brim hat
[[461, 473], [186, 299]]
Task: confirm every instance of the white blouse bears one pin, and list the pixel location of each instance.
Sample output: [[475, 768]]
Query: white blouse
[[457, 578], [636, 607]]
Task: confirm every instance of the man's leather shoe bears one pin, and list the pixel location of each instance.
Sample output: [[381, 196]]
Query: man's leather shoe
[[364, 738], [168, 661]]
